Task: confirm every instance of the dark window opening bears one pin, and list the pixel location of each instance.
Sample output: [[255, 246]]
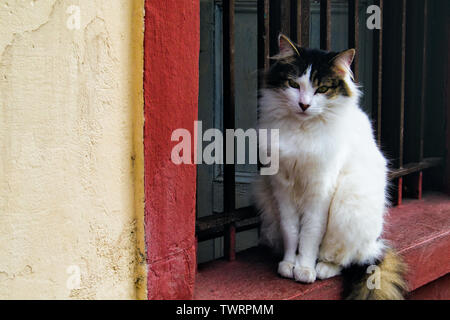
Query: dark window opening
[[399, 66]]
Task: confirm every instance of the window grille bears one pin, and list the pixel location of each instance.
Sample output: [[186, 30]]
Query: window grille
[[399, 62]]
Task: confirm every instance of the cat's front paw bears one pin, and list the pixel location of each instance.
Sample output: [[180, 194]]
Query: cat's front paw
[[286, 269], [304, 274], [327, 270]]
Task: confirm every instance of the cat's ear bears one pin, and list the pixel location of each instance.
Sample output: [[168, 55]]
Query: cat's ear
[[287, 48], [343, 61]]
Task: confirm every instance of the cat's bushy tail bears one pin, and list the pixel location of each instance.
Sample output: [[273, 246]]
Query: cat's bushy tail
[[389, 283]]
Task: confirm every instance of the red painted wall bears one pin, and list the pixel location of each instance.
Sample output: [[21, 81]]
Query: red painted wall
[[171, 45]]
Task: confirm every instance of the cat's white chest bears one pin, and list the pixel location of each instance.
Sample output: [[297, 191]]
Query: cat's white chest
[[318, 148], [309, 163]]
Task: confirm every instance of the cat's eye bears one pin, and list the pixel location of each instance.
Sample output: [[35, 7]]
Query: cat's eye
[[322, 89], [293, 84]]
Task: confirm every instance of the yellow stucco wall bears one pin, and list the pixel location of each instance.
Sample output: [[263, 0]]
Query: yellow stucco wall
[[71, 195]]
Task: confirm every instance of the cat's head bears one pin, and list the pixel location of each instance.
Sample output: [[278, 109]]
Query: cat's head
[[306, 83]]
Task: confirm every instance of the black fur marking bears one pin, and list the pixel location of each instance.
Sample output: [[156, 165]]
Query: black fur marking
[[352, 275], [295, 66]]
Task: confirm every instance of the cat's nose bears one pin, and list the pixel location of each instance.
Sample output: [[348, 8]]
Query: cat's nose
[[304, 106]]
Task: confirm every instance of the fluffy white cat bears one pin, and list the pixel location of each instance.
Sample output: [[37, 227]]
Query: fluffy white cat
[[325, 207]]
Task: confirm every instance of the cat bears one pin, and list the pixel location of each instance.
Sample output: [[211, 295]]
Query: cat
[[324, 209]]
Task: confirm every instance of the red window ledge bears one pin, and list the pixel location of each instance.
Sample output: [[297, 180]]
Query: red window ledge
[[418, 229]]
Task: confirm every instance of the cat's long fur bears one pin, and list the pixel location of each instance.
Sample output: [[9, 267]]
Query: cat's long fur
[[325, 207]]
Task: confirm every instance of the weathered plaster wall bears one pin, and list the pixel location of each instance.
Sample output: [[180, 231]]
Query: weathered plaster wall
[[71, 163]]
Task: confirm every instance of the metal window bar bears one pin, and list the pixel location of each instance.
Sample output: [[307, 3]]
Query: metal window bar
[[293, 18], [325, 25], [378, 74], [229, 182], [302, 21], [353, 34]]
